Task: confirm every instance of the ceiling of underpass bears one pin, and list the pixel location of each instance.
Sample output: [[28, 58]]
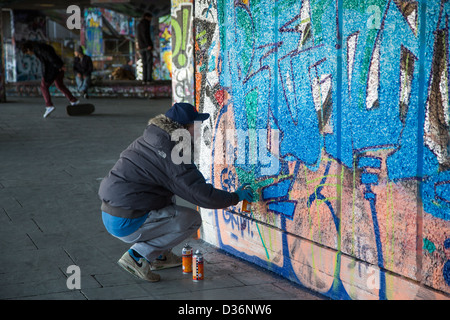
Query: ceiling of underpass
[[133, 8]]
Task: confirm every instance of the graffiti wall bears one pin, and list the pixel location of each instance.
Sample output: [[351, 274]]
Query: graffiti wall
[[110, 89], [337, 115], [165, 47], [122, 24], [182, 51], [162, 49], [2, 63], [93, 35], [28, 25]]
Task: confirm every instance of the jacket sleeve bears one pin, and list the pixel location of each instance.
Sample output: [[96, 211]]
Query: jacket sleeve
[[190, 185]]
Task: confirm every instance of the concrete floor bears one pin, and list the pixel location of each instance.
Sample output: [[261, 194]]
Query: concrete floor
[[50, 171]]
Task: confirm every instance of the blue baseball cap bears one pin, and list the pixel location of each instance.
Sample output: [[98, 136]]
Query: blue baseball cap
[[185, 113]]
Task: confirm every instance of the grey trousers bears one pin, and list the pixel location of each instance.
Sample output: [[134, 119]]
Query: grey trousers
[[163, 229]]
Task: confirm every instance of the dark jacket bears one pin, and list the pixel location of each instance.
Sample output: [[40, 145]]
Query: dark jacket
[[83, 66], [51, 63], [145, 178], [143, 34]]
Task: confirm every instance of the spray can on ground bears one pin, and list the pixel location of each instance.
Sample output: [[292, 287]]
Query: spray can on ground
[[186, 253], [197, 266]]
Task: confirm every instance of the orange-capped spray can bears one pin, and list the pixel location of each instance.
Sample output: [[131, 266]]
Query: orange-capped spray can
[[197, 266], [186, 254], [246, 206]]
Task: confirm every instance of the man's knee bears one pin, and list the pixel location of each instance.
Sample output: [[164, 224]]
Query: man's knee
[[190, 216], [198, 219]]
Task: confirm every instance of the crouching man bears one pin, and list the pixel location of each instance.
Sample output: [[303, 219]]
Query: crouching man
[[137, 195]]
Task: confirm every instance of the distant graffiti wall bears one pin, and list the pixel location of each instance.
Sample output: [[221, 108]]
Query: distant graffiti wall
[[110, 89], [28, 25], [165, 47], [349, 101], [124, 25], [182, 51], [162, 49], [93, 34], [2, 67]]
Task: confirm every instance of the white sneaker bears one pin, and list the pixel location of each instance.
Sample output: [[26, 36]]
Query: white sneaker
[[48, 110], [75, 103]]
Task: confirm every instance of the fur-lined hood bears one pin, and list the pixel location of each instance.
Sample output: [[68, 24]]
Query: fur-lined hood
[[160, 137], [165, 123], [159, 130]]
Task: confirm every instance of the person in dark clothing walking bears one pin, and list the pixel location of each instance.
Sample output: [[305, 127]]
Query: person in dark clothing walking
[[52, 72], [83, 67], [137, 195], [145, 46]]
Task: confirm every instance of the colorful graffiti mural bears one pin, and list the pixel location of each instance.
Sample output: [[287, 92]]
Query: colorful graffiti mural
[[93, 35], [28, 25], [109, 89], [165, 47], [360, 205], [123, 24]]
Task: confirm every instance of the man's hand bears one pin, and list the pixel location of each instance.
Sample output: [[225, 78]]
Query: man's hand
[[245, 193]]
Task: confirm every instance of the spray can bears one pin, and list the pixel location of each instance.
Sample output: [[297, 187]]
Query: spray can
[[186, 253], [197, 266], [246, 206]]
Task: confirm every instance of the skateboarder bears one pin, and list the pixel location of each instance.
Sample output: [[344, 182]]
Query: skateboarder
[[137, 195], [52, 71]]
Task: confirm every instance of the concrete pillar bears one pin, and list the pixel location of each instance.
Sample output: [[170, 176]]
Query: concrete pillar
[[2, 63]]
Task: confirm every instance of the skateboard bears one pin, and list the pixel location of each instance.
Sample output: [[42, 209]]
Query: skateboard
[[80, 109]]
